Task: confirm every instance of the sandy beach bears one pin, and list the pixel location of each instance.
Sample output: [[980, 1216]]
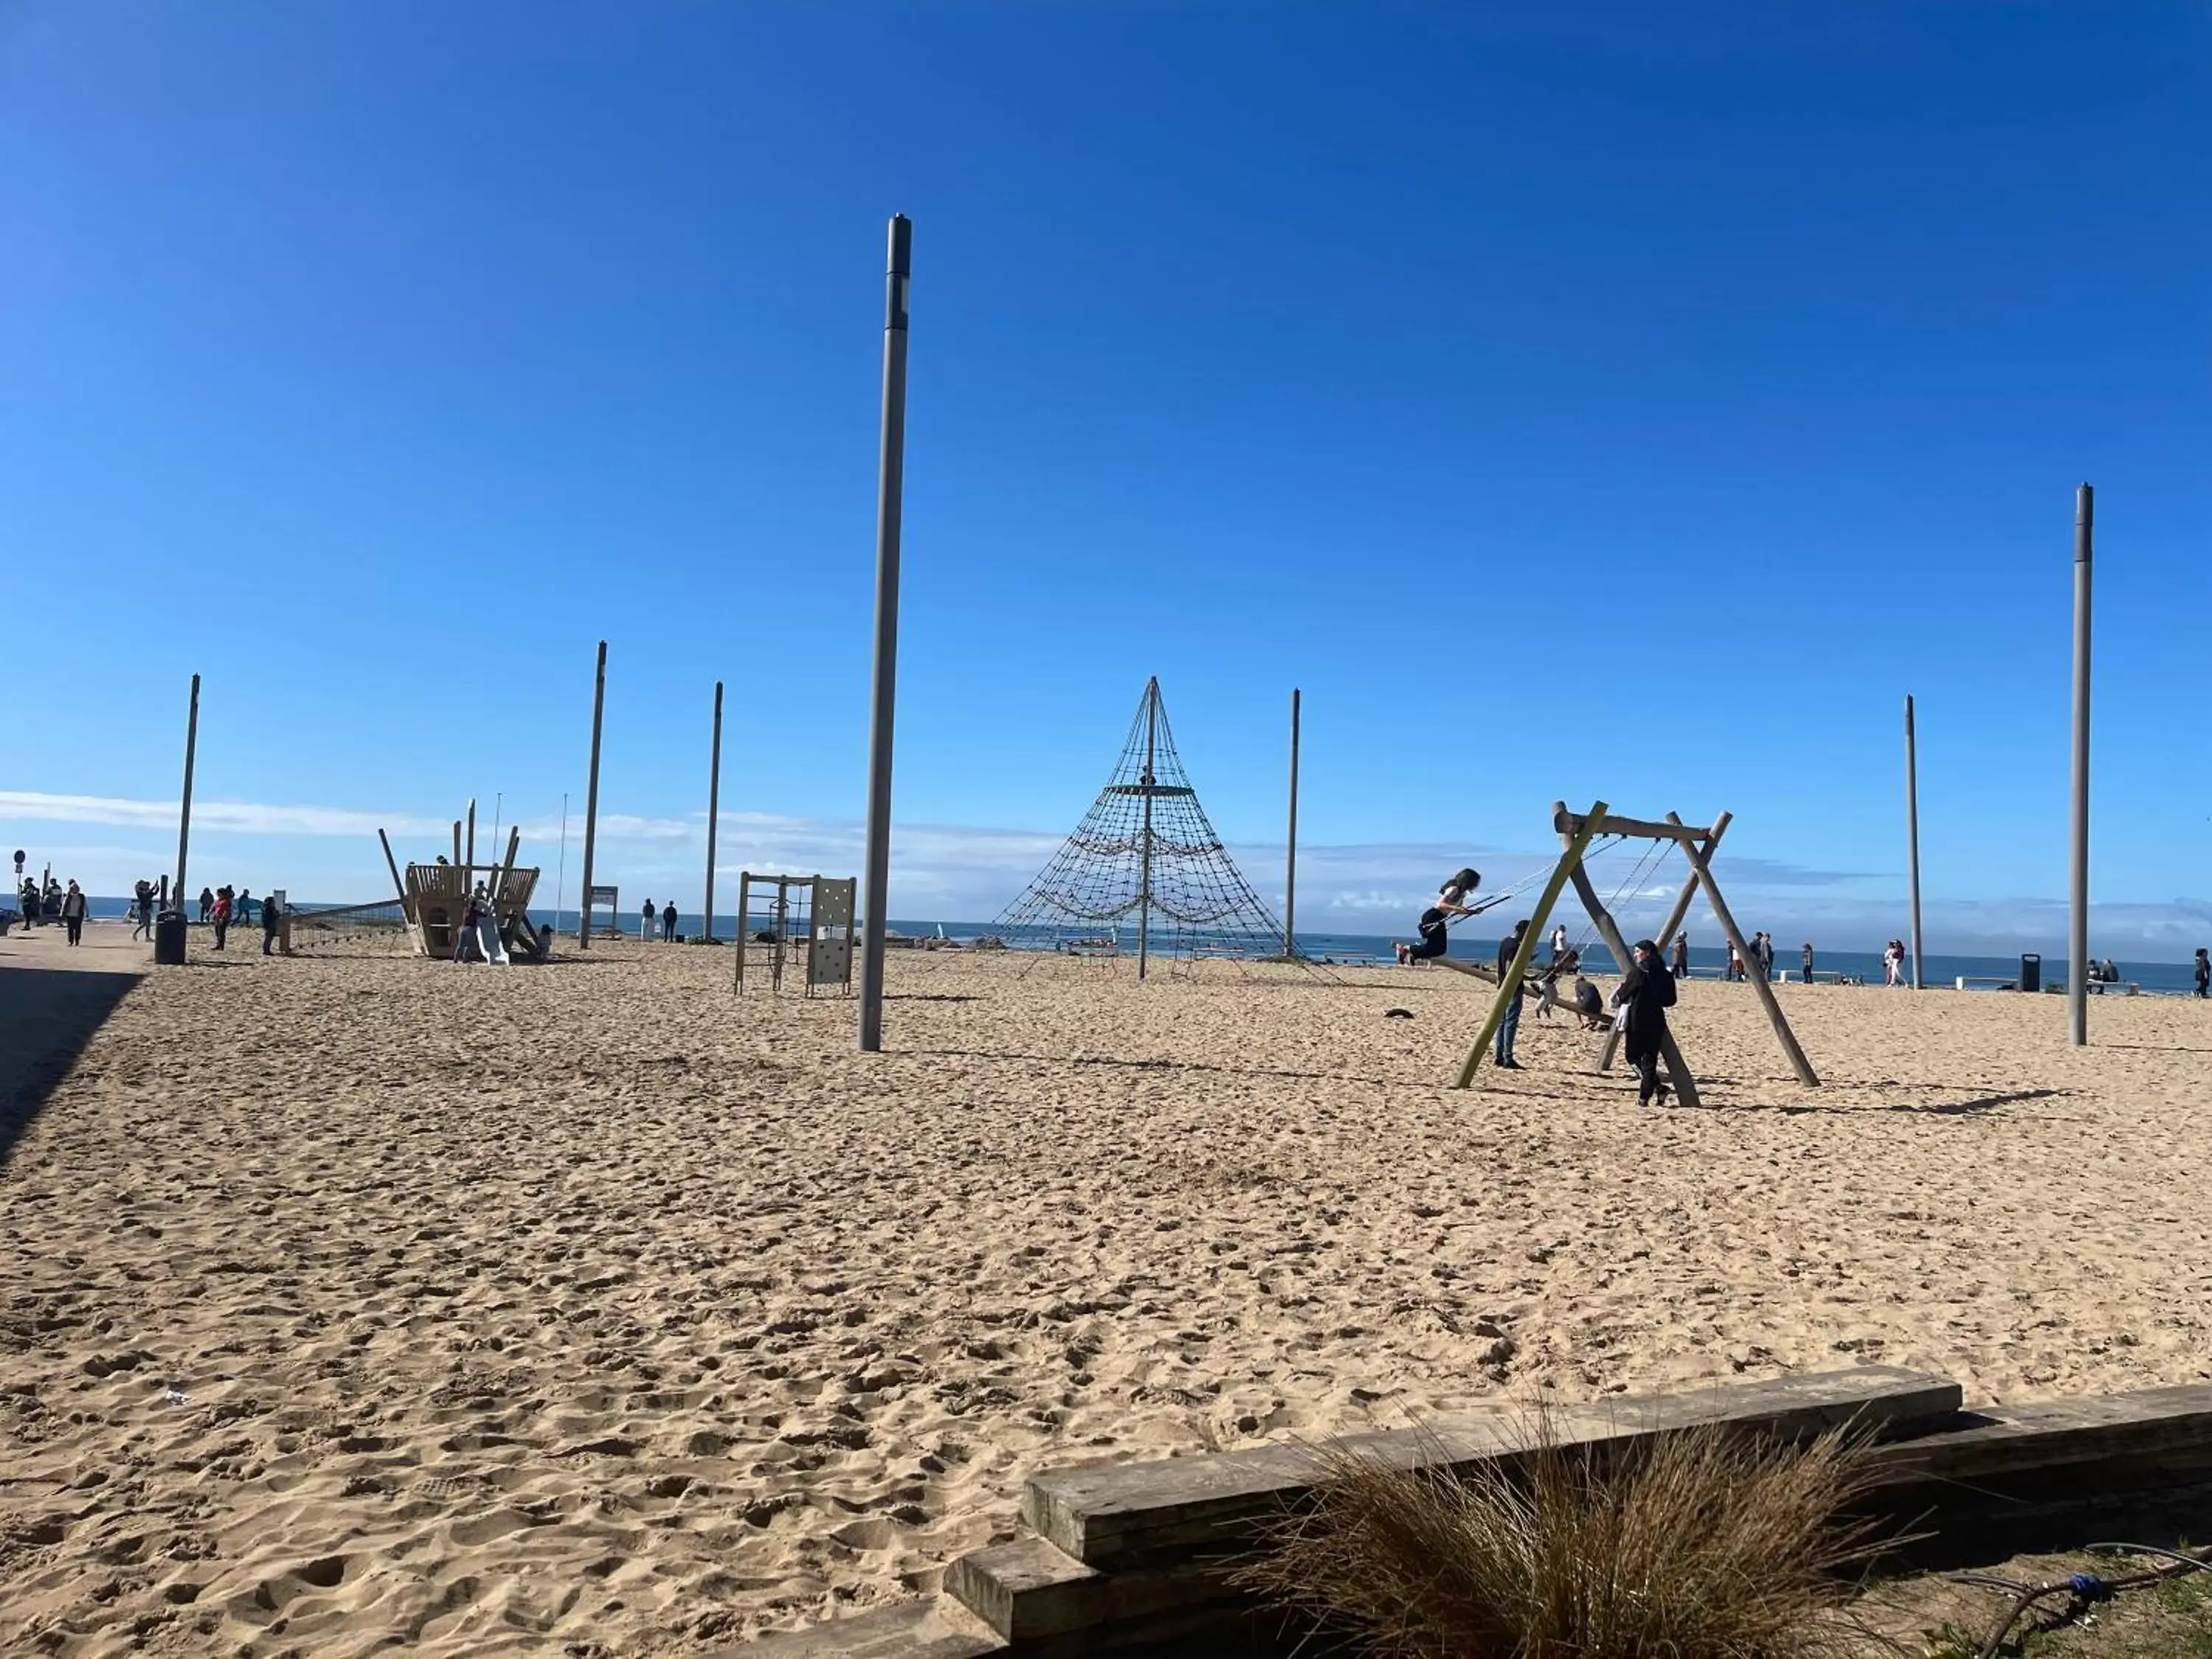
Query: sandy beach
[[353, 1300]]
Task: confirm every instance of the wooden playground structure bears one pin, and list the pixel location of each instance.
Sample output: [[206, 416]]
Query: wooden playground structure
[[434, 898], [809, 919], [1576, 830]]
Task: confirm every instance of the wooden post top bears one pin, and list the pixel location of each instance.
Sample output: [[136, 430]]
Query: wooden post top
[[1568, 823]]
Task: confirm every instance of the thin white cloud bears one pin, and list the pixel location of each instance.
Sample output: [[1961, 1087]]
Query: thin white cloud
[[236, 817]]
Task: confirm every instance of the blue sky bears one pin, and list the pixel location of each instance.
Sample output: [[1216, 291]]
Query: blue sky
[[1575, 402]]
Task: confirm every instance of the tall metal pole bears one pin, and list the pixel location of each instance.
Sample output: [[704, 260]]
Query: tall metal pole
[[714, 807], [1912, 832], [185, 817], [1290, 861], [1145, 841], [591, 800], [560, 876], [890, 481], [2077, 927]]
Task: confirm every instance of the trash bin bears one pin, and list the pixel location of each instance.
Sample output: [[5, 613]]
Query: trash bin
[[2030, 971], [169, 939]]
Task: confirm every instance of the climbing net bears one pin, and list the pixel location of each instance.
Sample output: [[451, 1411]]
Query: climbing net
[[1144, 869]]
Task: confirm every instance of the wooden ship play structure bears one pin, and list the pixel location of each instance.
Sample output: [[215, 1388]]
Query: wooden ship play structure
[[1146, 858], [434, 898]]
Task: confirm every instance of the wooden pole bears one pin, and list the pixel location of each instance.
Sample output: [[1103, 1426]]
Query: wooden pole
[[890, 508], [1678, 1070], [2077, 919], [1290, 861], [506, 864], [470, 864], [1764, 992], [744, 903], [457, 847], [1570, 862], [398, 885], [185, 815], [1912, 832], [713, 807], [1145, 841], [591, 797], [1674, 919]]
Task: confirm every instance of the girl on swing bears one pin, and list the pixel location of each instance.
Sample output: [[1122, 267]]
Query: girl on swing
[[1452, 901]]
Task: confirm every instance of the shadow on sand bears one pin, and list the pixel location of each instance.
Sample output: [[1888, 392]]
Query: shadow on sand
[[46, 1016], [1972, 1108], [1165, 1065]]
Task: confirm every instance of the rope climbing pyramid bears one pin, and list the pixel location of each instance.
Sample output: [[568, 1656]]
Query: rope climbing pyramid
[[1144, 874]]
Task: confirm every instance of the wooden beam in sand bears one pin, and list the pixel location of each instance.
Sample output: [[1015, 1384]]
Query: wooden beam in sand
[[1124, 1512]]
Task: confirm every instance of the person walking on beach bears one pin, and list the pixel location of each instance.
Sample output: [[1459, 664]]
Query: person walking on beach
[[1808, 964], [1646, 993], [2203, 972], [668, 923], [142, 910], [207, 905], [73, 914], [1682, 956], [1559, 942], [272, 918], [1508, 948], [222, 915], [241, 907], [645, 925], [1452, 901], [1892, 953], [1765, 947]]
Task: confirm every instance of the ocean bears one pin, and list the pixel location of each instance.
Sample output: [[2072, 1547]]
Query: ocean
[[2160, 978]]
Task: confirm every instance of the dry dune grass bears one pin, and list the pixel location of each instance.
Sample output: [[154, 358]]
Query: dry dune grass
[[1701, 1544]]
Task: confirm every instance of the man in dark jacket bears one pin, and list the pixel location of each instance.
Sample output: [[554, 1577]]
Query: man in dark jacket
[[272, 918], [1508, 948], [1647, 991]]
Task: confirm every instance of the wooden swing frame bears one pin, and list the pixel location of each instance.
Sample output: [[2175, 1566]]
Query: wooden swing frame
[[1576, 830]]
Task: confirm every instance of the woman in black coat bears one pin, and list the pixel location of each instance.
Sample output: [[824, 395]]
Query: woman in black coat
[[1646, 993]]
